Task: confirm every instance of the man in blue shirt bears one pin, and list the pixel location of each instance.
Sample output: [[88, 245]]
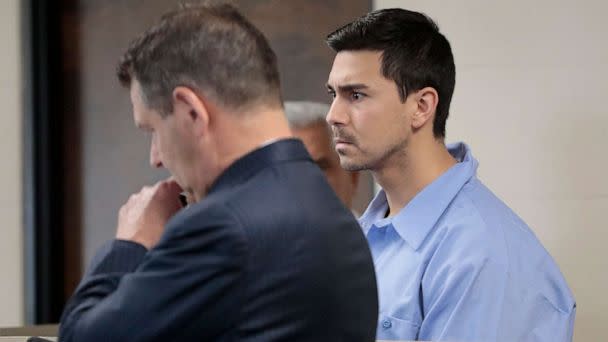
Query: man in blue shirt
[[453, 262]]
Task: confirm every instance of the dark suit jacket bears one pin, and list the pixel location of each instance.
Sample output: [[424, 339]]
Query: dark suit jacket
[[270, 254]]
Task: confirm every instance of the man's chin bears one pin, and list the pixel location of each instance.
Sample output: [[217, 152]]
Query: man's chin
[[350, 165]]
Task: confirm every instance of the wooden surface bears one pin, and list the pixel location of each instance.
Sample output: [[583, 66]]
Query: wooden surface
[[32, 330]]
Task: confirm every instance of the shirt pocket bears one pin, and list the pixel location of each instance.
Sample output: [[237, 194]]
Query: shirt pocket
[[391, 328]]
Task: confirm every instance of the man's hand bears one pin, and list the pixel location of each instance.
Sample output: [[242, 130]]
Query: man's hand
[[142, 219]]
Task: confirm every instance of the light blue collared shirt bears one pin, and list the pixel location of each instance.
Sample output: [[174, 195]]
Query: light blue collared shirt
[[457, 264]]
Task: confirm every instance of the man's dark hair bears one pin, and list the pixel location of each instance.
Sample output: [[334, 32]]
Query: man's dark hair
[[210, 48], [414, 53]]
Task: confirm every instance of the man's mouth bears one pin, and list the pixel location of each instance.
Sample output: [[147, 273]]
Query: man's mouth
[[341, 141], [341, 144]]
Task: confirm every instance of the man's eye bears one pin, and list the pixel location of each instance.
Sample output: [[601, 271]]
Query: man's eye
[[331, 93], [357, 96]]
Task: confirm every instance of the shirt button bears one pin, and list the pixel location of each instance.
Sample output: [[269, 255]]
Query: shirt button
[[386, 324]]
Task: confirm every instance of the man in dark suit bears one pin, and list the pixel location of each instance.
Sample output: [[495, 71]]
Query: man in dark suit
[[267, 252]]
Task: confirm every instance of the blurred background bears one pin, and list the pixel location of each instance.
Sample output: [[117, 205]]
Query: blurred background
[[531, 79]]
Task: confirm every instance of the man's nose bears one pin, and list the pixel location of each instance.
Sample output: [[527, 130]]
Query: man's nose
[[155, 160], [337, 114]]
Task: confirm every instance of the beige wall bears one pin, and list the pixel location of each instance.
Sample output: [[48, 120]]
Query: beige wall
[[11, 246], [531, 90]]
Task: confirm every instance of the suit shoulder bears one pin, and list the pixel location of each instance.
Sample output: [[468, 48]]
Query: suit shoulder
[[207, 216]]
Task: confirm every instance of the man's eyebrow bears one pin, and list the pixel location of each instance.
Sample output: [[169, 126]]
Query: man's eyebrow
[[349, 87]]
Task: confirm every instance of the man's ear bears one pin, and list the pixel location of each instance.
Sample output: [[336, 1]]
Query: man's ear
[[426, 104], [191, 107]]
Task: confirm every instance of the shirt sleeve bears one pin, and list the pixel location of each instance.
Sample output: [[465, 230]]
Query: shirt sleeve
[[189, 280], [465, 296]]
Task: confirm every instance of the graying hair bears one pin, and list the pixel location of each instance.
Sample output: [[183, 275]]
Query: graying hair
[[210, 48], [302, 114]]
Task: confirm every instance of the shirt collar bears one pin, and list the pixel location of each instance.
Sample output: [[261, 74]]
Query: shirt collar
[[415, 221]]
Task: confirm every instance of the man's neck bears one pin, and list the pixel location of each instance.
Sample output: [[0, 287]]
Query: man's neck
[[238, 134], [251, 131], [403, 177]]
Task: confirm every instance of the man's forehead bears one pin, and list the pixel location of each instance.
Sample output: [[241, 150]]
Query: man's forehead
[[354, 67], [140, 111], [137, 96]]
